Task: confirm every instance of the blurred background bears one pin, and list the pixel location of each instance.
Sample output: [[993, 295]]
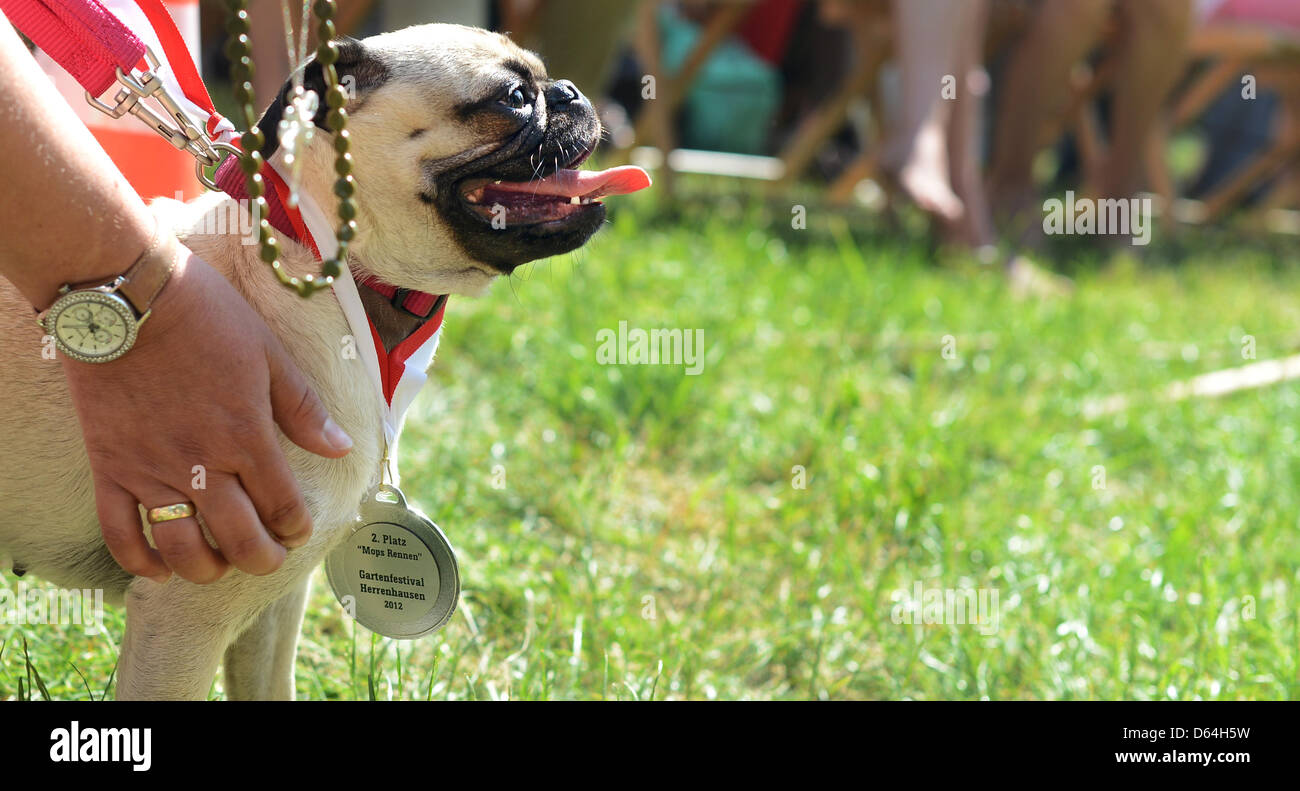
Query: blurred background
[[965, 108], [911, 379]]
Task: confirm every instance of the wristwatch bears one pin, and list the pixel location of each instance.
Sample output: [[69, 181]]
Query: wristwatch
[[98, 323]]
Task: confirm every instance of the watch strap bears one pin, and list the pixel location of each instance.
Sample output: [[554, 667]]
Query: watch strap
[[141, 283]]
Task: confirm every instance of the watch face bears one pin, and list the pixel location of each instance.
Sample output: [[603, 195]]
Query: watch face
[[92, 326]]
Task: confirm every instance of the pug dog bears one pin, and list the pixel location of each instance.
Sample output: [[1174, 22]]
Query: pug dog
[[451, 127]]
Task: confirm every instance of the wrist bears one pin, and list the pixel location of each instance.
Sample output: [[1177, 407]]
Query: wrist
[[98, 322], [99, 261]]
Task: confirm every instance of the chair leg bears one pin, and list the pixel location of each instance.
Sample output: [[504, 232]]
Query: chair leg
[[1277, 157], [1158, 175], [822, 124], [654, 126], [864, 166]]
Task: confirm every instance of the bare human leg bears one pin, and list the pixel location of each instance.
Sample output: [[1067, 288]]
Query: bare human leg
[[928, 40], [1151, 59], [975, 227], [1033, 95]]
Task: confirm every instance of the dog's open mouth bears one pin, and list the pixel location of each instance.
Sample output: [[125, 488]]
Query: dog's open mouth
[[560, 195], [521, 202]]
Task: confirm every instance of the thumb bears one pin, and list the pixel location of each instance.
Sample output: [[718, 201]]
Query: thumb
[[297, 410]]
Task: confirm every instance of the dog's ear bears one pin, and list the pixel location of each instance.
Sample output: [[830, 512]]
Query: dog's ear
[[359, 72]]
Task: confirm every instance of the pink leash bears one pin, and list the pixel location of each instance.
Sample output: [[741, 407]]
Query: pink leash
[[81, 36], [93, 41]]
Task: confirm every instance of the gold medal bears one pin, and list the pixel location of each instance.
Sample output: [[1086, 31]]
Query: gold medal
[[396, 574]]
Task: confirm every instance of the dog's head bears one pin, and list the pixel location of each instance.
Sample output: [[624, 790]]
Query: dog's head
[[465, 154]]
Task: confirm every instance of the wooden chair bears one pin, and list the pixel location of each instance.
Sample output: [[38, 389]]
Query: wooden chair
[[871, 33], [1229, 50], [654, 126]]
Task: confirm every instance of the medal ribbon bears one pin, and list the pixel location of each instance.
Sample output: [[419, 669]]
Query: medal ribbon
[[397, 375], [179, 72]]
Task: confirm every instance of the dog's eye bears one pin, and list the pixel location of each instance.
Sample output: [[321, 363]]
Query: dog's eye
[[515, 99]]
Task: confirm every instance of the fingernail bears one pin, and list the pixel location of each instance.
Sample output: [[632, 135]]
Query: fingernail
[[297, 540], [161, 579], [335, 436]]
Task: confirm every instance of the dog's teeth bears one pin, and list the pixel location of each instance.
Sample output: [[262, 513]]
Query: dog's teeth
[[575, 201], [498, 181]]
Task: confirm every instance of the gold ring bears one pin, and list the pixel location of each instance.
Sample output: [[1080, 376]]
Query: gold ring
[[166, 513]]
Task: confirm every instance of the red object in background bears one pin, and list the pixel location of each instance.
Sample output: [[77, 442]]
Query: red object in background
[[153, 167], [768, 27], [1276, 12]]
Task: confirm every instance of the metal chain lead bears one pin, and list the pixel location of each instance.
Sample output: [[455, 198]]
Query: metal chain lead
[[238, 49]]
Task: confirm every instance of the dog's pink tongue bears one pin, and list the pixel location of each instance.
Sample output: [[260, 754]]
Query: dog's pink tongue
[[584, 183]]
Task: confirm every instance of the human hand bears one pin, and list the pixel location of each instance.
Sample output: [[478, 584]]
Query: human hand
[[205, 385]]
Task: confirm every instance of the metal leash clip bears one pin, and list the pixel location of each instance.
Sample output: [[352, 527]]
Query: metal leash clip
[[178, 128]]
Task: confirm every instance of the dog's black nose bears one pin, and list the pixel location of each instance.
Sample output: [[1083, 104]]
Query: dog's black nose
[[563, 92]]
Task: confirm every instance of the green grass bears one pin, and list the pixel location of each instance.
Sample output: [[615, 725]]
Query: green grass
[[649, 542]]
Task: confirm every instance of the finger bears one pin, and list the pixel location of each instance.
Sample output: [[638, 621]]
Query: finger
[[119, 521], [275, 494], [297, 410], [234, 524], [181, 541]]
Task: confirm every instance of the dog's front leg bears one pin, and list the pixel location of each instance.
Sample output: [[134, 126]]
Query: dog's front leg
[[174, 639], [259, 663]]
